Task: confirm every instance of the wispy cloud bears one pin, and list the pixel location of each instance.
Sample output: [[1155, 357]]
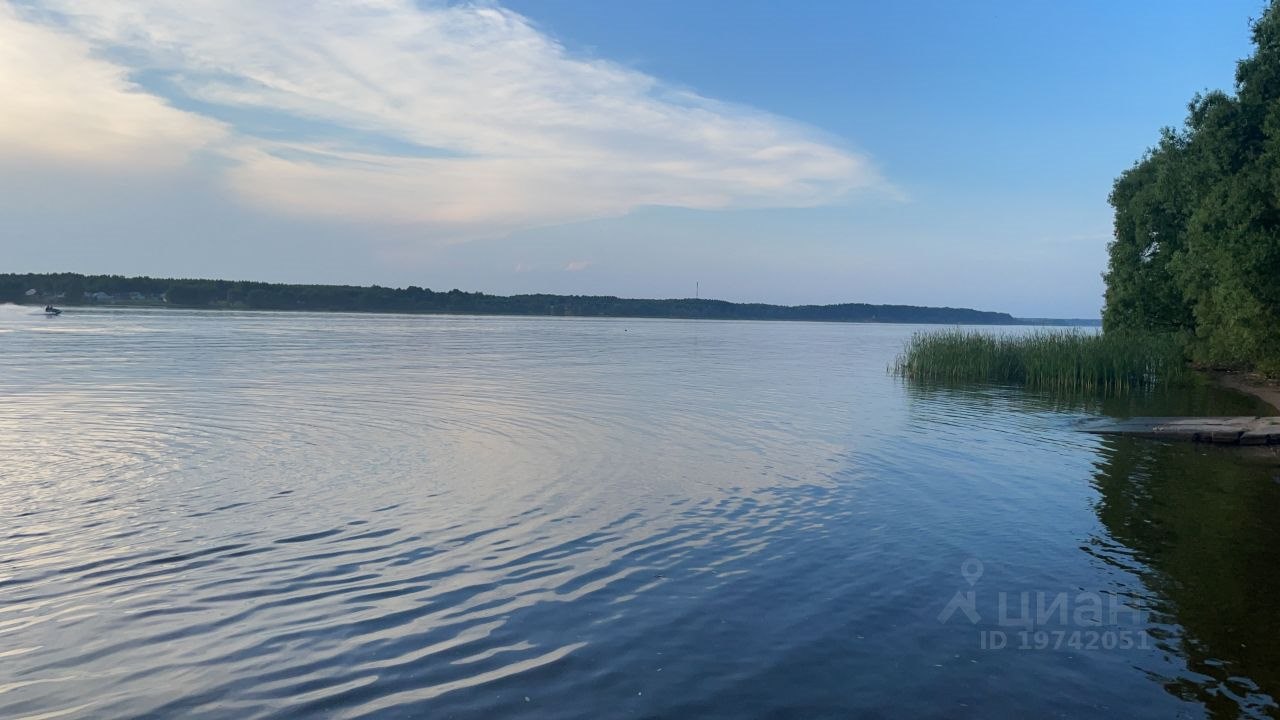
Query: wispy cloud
[[62, 102], [577, 265], [463, 118]]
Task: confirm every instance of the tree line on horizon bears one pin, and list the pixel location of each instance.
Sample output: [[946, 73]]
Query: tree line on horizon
[[196, 293], [1196, 251]]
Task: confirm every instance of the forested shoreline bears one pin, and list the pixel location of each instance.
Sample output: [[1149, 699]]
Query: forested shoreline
[[76, 289], [1196, 252]]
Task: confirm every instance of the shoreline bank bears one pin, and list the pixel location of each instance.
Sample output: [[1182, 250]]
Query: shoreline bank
[[1265, 390]]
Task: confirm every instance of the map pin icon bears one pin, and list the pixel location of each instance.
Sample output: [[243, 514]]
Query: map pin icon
[[971, 570]]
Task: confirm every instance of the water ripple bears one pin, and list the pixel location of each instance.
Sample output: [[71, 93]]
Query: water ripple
[[265, 515]]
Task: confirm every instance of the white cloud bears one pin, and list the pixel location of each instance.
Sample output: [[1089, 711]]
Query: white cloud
[[577, 265], [463, 118], [60, 102]]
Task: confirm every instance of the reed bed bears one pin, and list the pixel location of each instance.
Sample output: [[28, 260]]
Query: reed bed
[[1061, 360]]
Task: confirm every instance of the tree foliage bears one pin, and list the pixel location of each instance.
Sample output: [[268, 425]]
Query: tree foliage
[[1197, 222]]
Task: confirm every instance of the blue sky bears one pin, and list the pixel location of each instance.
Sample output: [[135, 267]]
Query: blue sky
[[928, 153]]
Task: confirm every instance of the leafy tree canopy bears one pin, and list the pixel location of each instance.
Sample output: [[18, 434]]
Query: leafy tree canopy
[[1197, 222]]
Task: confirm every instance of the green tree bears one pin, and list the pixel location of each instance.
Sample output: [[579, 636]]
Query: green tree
[[1197, 222]]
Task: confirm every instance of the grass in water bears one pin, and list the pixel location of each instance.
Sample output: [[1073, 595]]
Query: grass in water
[[1065, 360]]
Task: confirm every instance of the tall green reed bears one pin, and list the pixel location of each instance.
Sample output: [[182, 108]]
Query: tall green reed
[[1061, 359]]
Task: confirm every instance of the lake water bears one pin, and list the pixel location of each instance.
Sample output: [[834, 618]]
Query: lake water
[[235, 515]]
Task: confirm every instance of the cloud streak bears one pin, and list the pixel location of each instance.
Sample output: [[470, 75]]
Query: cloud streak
[[464, 119], [60, 102]]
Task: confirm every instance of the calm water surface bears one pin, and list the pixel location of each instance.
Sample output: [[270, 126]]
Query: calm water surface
[[234, 515]]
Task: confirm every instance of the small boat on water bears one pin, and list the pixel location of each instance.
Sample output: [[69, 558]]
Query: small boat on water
[[51, 310]]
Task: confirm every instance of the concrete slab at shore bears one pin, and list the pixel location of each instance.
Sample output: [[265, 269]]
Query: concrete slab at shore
[[1221, 430]]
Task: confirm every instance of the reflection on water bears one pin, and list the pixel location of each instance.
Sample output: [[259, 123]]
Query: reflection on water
[[265, 515], [1199, 525], [1200, 398]]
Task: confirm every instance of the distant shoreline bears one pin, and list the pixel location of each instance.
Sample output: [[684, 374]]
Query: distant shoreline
[[72, 289], [1016, 322]]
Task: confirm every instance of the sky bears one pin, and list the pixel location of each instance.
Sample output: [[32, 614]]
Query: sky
[[926, 153]]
